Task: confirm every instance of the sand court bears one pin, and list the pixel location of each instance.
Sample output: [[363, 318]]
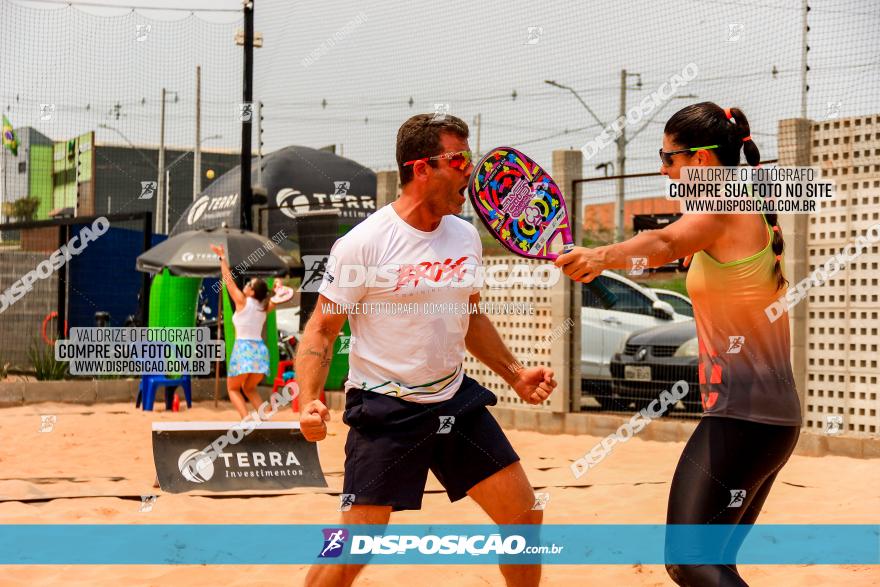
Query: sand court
[[96, 463]]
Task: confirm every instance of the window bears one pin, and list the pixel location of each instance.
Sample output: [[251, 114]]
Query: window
[[628, 299], [588, 298], [679, 305]]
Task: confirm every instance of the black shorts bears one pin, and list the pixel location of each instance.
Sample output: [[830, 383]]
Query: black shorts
[[392, 443]]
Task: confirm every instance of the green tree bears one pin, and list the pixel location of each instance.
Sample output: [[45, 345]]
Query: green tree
[[22, 209]]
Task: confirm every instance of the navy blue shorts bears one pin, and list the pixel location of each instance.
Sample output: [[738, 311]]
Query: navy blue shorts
[[392, 443]]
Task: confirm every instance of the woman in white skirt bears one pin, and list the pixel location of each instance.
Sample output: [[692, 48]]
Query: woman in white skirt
[[249, 362]]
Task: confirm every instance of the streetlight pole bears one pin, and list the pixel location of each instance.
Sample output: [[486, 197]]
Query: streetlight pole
[[202, 142], [197, 152], [579, 99], [167, 204], [619, 203], [259, 142], [160, 207], [621, 147], [247, 98], [130, 144], [622, 141], [167, 210]]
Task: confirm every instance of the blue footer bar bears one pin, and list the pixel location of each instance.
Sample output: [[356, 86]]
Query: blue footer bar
[[264, 544]]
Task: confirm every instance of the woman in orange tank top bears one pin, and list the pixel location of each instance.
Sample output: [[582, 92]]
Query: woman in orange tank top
[[752, 414]]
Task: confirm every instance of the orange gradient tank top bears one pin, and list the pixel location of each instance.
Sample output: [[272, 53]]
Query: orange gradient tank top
[[745, 366]]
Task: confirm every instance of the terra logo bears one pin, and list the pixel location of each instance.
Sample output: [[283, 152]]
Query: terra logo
[[206, 203], [200, 471], [334, 542], [292, 202], [198, 209]]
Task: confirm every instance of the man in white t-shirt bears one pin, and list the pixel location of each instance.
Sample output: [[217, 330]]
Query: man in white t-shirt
[[407, 279]]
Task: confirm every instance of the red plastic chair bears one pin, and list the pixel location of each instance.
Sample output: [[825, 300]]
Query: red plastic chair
[[280, 382], [279, 376]]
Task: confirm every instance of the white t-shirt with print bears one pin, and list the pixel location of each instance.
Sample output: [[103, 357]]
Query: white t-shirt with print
[[407, 293]]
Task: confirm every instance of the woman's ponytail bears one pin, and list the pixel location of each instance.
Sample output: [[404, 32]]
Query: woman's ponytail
[[743, 133]]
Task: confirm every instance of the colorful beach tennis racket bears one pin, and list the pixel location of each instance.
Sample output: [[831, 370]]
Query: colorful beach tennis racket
[[523, 208]]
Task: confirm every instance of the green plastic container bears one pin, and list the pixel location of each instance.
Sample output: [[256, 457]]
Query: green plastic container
[[173, 301], [339, 364]]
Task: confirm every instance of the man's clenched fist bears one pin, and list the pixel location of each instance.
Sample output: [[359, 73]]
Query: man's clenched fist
[[313, 421], [534, 384]]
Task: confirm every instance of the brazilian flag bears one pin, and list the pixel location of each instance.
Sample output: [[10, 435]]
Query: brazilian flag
[[10, 141]]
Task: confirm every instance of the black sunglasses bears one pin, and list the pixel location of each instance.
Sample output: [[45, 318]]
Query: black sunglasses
[[666, 156]]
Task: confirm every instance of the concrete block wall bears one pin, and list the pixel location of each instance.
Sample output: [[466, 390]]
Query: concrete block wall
[[840, 363], [527, 336]]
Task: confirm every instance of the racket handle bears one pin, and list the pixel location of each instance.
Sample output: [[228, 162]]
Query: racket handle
[[604, 294]]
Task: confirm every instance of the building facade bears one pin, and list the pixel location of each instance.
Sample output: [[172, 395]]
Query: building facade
[[80, 177]]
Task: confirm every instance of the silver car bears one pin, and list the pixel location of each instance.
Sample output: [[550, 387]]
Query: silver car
[[604, 331]]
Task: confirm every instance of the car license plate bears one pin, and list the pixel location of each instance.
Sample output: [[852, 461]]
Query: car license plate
[[637, 372]]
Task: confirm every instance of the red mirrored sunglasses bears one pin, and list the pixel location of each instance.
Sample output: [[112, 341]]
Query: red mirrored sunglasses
[[457, 159]]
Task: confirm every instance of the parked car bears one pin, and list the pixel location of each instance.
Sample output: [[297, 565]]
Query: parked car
[[603, 331], [680, 302], [651, 361]]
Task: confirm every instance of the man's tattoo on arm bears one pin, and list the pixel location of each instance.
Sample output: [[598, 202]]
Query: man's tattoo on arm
[[323, 355]]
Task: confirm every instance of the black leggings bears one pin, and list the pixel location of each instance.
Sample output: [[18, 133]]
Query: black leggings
[[725, 454]]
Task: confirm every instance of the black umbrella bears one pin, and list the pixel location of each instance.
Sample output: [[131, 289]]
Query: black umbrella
[[189, 254]]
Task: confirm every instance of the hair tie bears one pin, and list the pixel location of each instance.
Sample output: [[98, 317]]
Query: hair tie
[[728, 114], [778, 257], [748, 138], [776, 228]]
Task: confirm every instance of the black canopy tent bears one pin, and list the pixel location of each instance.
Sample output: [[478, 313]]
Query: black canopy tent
[[296, 179]]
